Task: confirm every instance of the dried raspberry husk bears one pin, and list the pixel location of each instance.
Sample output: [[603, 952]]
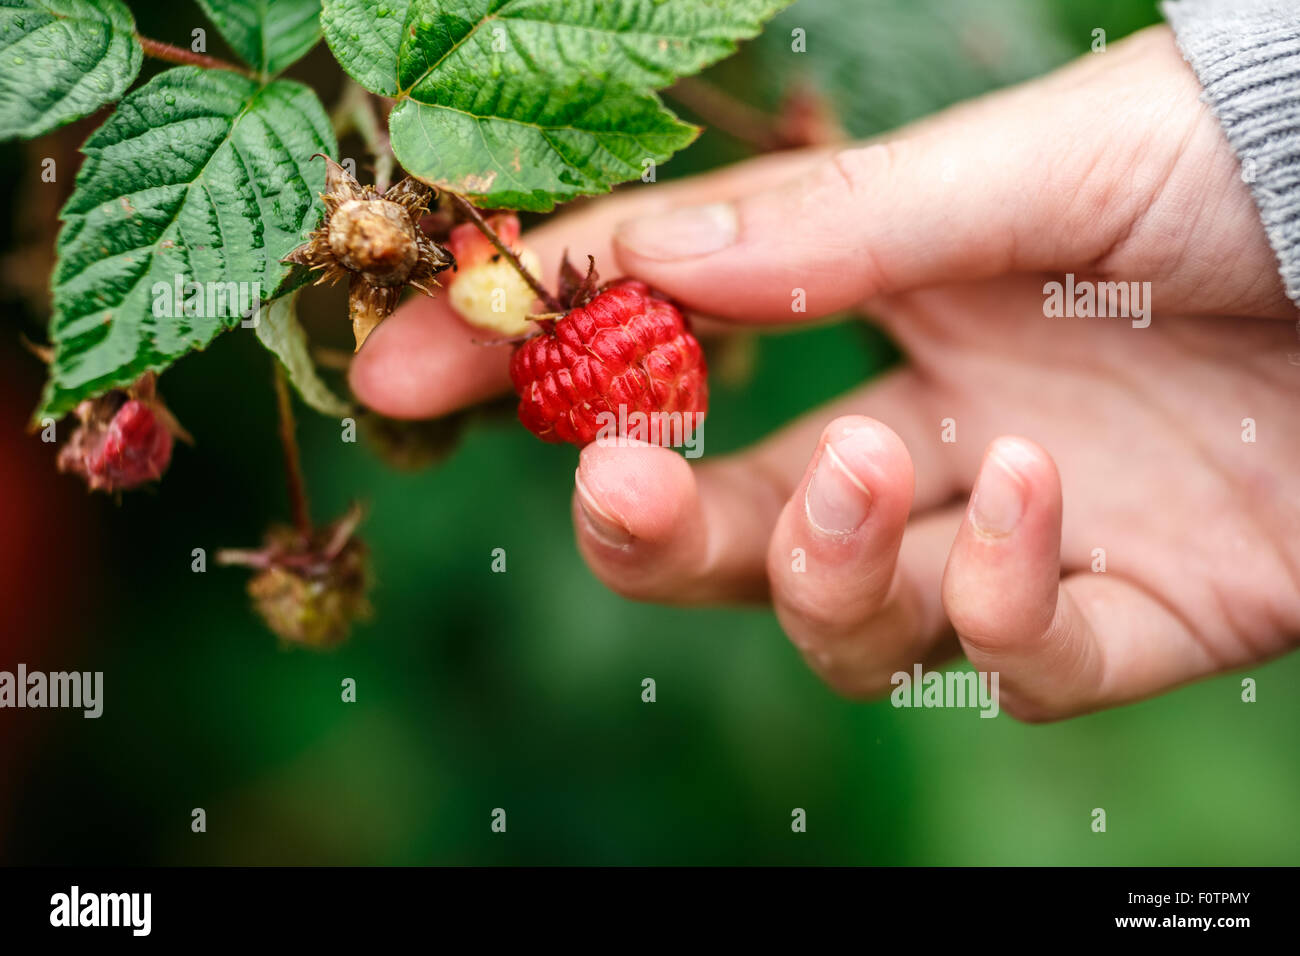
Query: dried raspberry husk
[[309, 589], [411, 445], [374, 240], [124, 439], [627, 350]]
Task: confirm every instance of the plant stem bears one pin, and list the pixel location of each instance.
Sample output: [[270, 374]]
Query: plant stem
[[343, 116], [292, 464], [175, 54], [356, 112], [473, 215], [375, 135], [724, 112]]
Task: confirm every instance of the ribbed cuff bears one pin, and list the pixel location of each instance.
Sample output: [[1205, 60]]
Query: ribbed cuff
[[1247, 56]]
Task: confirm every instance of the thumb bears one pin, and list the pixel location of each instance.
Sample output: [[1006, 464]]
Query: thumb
[[1020, 181]]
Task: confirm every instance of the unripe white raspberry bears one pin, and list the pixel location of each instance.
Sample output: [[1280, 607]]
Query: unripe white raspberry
[[486, 290]]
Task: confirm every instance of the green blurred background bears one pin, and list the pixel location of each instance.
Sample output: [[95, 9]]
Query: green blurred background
[[523, 690]]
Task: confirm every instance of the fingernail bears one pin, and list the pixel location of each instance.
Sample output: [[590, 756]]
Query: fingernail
[[998, 502], [681, 234], [837, 502], [603, 525]]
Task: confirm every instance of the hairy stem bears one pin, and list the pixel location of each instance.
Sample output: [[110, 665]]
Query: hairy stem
[[375, 135], [357, 111], [292, 463], [175, 54], [473, 215], [724, 112]]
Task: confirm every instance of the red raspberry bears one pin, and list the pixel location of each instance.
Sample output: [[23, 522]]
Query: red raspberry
[[625, 351]]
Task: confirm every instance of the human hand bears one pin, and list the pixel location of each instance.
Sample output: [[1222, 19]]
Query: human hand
[[945, 233]]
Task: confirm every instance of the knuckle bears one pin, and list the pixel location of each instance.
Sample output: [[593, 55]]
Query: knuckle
[[982, 631], [860, 169], [841, 666], [800, 609], [1027, 709], [981, 637]]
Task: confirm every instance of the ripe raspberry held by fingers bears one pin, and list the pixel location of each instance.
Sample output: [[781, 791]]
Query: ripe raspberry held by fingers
[[626, 351]]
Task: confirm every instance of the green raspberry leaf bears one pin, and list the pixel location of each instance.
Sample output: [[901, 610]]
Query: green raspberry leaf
[[268, 36], [364, 37], [577, 144], [200, 176], [280, 331], [61, 60], [525, 103]]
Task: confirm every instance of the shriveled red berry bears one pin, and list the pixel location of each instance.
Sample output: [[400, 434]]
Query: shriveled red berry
[[138, 447], [123, 440], [626, 351]]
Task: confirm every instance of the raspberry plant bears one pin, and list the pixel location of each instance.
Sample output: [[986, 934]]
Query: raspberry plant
[[207, 177]]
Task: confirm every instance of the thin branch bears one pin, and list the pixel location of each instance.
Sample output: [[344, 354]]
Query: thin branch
[[473, 215], [245, 557], [356, 112], [175, 54], [292, 464], [343, 118], [724, 112], [375, 135]]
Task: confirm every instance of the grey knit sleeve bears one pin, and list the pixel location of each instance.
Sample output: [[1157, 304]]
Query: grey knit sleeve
[[1246, 54]]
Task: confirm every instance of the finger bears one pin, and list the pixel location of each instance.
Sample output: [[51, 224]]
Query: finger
[[423, 361], [951, 199], [832, 554], [841, 588], [871, 220], [1058, 649], [589, 229], [901, 399], [652, 527], [909, 626]]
